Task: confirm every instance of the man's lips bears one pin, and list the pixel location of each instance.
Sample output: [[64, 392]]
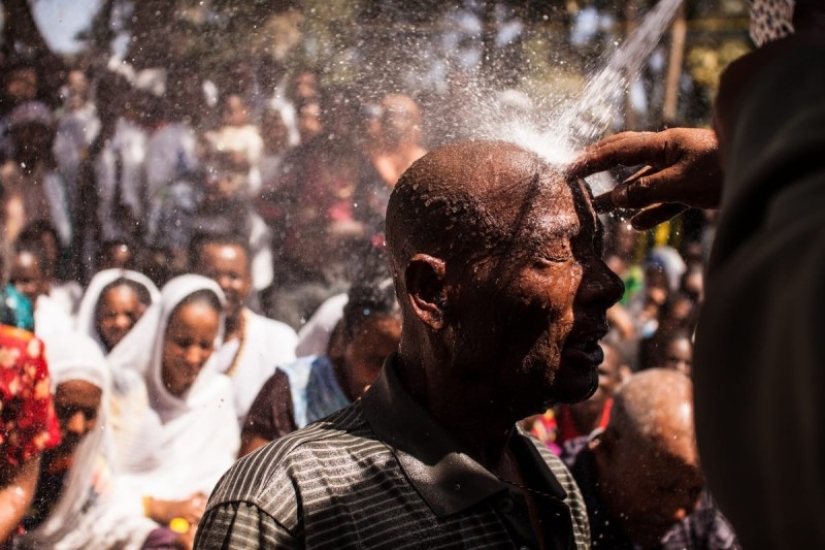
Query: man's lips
[[583, 344]]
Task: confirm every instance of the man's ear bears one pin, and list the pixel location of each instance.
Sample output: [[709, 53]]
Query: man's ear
[[424, 281]]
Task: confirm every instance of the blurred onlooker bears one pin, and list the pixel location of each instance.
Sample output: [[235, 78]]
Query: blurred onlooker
[[309, 120], [72, 507], [253, 345], [315, 386], [62, 290], [311, 208], [28, 424], [641, 478], [275, 136], [33, 189], [20, 83], [238, 136], [115, 253], [77, 128], [399, 144], [29, 275], [116, 160]]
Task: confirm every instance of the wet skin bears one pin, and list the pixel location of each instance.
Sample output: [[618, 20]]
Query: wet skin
[[546, 300], [188, 343]]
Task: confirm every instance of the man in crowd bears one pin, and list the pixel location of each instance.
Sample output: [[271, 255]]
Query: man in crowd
[[497, 264], [253, 345], [640, 477]]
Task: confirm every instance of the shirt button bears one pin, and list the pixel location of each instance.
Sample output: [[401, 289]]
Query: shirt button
[[506, 505]]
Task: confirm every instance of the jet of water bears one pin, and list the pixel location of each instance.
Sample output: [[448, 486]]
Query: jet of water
[[582, 120]]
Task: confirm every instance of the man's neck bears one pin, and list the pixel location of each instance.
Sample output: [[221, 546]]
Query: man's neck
[[474, 423]]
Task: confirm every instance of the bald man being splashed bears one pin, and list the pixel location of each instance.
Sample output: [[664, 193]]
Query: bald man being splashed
[[497, 267]]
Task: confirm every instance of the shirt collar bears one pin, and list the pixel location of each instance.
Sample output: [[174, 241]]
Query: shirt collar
[[447, 478]]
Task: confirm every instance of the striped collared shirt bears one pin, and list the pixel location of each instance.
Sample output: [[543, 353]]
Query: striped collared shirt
[[383, 474]]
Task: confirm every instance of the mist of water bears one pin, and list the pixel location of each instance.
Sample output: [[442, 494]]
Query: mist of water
[[557, 129]]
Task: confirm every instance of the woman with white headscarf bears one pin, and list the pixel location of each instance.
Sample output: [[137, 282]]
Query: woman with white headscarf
[[113, 303], [197, 438], [73, 506]]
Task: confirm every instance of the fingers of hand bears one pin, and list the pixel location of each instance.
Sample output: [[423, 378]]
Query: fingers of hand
[[653, 216], [626, 149]]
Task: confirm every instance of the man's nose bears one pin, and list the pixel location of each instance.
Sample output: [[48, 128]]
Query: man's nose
[[78, 424], [600, 285], [122, 321]]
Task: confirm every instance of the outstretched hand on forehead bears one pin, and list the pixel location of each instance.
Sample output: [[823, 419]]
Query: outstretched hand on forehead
[[681, 170]]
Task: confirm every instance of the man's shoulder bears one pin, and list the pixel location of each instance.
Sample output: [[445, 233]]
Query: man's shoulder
[[277, 470], [574, 499]]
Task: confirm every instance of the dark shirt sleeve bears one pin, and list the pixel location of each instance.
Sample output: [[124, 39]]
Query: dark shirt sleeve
[[241, 525], [271, 415]]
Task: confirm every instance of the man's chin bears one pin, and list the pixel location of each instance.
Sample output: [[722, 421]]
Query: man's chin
[[574, 387]]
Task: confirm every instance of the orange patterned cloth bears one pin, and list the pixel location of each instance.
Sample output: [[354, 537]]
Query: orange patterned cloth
[[28, 424]]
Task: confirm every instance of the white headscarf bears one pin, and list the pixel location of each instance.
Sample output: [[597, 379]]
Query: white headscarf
[[199, 434], [81, 518], [86, 315], [142, 348]]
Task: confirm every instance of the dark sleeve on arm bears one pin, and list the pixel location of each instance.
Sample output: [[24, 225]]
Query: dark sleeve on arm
[[241, 525], [271, 415]]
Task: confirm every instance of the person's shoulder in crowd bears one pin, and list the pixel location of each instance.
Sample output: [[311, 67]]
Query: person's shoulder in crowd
[[281, 333]]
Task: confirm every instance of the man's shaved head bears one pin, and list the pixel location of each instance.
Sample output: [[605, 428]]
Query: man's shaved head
[[462, 201], [497, 264], [655, 405], [647, 461]]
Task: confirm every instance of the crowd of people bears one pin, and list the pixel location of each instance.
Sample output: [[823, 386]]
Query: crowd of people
[[198, 267], [173, 249]]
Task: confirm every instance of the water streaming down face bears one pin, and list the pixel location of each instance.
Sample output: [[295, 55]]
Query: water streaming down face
[[556, 129]]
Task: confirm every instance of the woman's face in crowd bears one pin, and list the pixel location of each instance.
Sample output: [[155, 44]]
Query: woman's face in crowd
[[188, 343], [118, 310], [365, 353], [76, 403]]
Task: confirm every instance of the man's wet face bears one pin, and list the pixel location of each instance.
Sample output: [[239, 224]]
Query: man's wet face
[[541, 306]]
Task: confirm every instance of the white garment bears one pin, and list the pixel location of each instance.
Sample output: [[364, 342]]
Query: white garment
[[85, 515], [266, 344], [171, 152], [51, 322], [120, 163], [76, 130], [313, 338], [241, 139], [67, 295], [199, 435]]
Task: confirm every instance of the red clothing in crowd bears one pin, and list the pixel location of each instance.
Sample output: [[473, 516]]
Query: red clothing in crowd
[[28, 424]]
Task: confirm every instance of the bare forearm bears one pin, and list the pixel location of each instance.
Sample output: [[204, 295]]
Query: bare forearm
[[16, 495]]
